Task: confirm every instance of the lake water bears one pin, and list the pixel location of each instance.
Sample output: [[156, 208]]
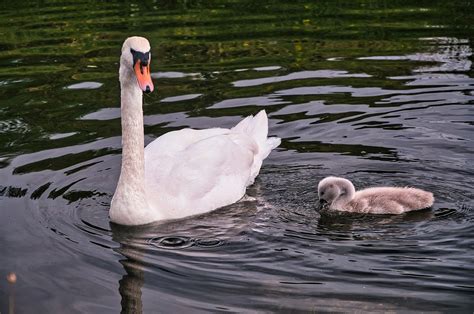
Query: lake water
[[381, 92]]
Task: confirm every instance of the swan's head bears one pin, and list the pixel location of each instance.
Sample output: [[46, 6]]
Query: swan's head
[[135, 62], [331, 189]]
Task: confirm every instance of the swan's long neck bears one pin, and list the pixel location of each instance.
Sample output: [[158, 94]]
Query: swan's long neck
[[129, 204], [347, 193], [133, 164]]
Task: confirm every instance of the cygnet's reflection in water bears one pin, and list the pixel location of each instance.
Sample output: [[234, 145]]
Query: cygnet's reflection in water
[[338, 225], [165, 249]]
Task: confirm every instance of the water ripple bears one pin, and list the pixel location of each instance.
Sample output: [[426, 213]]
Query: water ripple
[[380, 104]]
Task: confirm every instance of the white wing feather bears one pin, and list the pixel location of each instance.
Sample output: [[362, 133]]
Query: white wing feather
[[189, 172]]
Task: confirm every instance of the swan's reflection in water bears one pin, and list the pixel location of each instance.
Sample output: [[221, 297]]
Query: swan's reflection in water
[[167, 249], [131, 287]]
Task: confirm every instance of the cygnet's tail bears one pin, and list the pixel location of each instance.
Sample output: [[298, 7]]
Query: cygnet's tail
[[257, 128]]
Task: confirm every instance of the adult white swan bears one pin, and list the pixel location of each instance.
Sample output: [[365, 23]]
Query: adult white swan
[[184, 172]]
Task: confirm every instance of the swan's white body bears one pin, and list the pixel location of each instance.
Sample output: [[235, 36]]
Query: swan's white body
[[340, 194], [185, 172]]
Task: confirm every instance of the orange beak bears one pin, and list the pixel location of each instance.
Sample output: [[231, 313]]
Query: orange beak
[[143, 76]]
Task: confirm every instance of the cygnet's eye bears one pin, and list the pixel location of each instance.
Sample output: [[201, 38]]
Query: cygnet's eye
[[322, 193]]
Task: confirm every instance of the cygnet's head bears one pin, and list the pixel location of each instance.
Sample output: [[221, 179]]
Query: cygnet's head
[[135, 61], [332, 188]]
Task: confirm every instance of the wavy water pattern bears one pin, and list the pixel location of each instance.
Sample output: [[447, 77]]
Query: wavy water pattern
[[381, 92]]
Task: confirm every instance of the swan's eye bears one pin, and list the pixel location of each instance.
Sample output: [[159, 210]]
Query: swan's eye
[[143, 57], [322, 193]]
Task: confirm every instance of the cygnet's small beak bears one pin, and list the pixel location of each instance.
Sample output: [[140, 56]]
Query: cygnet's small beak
[[322, 204], [142, 71]]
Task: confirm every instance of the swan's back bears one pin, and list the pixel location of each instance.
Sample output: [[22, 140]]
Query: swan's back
[[391, 200], [190, 172]]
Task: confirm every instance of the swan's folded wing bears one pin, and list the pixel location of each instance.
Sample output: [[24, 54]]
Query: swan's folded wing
[[214, 170], [172, 142]]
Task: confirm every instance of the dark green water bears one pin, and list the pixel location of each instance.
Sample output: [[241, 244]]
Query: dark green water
[[380, 92]]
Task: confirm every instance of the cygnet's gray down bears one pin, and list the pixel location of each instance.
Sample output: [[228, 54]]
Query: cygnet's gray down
[[340, 194]]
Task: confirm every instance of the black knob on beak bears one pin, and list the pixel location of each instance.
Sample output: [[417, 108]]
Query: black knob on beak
[[147, 90]]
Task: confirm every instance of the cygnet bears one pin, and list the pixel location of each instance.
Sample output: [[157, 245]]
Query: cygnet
[[340, 194]]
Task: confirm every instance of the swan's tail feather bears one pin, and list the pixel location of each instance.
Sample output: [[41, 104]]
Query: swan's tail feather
[[244, 125], [270, 144], [257, 128], [254, 126]]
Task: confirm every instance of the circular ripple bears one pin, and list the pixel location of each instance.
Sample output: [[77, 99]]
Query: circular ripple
[[174, 242], [209, 243]]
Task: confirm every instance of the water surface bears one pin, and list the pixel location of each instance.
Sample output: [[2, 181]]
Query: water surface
[[380, 92]]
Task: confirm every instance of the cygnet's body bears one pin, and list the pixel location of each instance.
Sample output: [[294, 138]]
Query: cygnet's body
[[340, 194]]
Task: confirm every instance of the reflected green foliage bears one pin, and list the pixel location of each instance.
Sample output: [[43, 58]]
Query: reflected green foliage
[[62, 162], [48, 45]]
